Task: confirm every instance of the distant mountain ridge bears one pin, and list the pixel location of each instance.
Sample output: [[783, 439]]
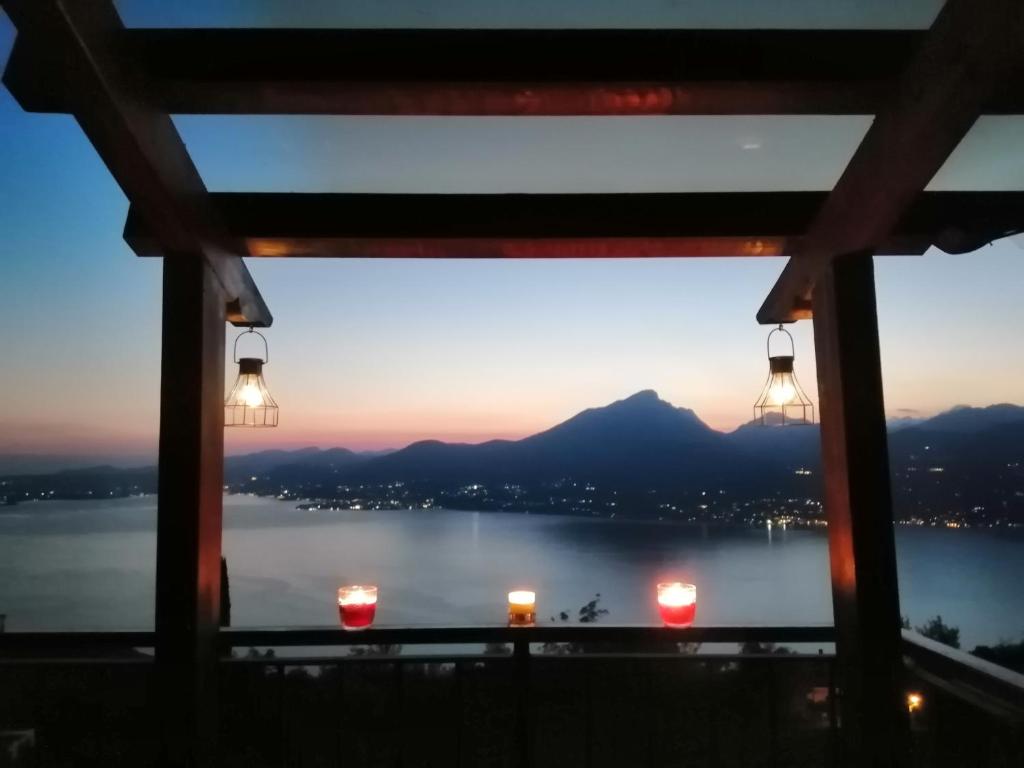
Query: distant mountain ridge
[[638, 445], [632, 440], [643, 443]]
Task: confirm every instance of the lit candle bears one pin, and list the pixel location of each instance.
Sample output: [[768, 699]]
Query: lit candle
[[677, 603], [915, 701], [357, 606], [522, 608]]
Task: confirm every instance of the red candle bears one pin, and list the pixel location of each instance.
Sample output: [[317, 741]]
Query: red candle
[[357, 606], [677, 603]]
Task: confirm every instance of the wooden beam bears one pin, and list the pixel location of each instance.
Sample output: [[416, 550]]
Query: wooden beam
[[971, 51], [574, 225], [190, 492], [858, 506], [75, 44], [516, 72]]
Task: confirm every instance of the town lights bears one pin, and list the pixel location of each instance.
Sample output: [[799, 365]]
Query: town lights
[[782, 401], [249, 403]]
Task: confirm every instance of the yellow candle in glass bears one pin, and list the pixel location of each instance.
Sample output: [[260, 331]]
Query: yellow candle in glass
[[522, 608]]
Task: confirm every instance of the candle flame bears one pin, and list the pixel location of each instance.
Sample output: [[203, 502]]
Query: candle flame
[[522, 597], [357, 595], [676, 594]]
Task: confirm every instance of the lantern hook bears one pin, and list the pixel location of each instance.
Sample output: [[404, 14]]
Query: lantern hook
[[780, 329], [266, 349]]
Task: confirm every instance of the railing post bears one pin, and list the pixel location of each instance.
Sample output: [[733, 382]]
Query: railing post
[[521, 653], [190, 488], [858, 505]]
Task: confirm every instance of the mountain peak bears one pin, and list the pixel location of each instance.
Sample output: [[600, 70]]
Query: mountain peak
[[644, 395], [641, 417]]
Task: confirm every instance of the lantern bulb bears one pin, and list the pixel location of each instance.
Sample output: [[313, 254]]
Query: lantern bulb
[[782, 393], [252, 396]]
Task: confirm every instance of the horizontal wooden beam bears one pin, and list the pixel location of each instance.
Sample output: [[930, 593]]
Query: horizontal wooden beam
[[75, 44], [513, 72], [574, 225], [972, 51]]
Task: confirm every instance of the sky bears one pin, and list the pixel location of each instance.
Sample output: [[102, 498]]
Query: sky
[[376, 354]]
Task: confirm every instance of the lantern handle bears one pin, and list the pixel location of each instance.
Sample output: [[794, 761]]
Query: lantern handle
[[780, 329], [266, 349]]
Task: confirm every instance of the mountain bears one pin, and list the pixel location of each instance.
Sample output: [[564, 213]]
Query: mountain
[[240, 468], [646, 455], [963, 419], [639, 442], [797, 446], [42, 463], [640, 455], [105, 481]]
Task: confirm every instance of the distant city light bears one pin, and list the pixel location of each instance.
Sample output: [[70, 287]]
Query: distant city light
[[915, 702]]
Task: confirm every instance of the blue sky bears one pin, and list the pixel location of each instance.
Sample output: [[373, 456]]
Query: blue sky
[[378, 353]]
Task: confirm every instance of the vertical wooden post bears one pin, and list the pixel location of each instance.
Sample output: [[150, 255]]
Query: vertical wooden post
[[858, 505], [191, 465]]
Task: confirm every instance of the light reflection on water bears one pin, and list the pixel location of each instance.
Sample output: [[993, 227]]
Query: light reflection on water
[[68, 565]]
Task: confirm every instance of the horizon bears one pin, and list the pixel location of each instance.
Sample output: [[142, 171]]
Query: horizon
[[43, 463]]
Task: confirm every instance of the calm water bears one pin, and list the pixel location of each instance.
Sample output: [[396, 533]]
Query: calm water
[[78, 565]]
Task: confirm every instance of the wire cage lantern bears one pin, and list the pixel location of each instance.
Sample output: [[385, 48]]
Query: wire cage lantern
[[782, 401], [249, 403]]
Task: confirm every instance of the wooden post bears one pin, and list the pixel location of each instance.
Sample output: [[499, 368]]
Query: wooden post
[[858, 505], [188, 569]]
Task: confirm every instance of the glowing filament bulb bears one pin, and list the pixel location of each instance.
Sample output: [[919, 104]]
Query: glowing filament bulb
[[251, 395], [782, 393]]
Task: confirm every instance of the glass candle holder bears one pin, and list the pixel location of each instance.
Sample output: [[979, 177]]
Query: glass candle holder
[[522, 608], [357, 606], [677, 603]]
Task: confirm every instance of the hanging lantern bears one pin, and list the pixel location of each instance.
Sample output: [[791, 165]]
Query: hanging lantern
[[249, 403], [782, 401]]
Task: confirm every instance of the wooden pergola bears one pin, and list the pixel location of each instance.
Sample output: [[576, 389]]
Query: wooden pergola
[[925, 89]]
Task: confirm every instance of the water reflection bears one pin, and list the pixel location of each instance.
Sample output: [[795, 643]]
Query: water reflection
[[76, 565]]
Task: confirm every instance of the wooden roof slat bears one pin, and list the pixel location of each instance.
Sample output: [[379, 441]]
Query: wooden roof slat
[[513, 72], [137, 141], [972, 50], [575, 225]]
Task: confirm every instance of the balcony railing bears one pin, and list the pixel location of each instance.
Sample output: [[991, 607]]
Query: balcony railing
[[972, 711], [495, 696]]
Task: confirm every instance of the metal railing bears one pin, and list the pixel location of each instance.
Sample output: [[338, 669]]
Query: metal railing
[[463, 696], [971, 711]]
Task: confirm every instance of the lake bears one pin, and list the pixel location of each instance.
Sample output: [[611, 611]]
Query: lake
[[90, 565]]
